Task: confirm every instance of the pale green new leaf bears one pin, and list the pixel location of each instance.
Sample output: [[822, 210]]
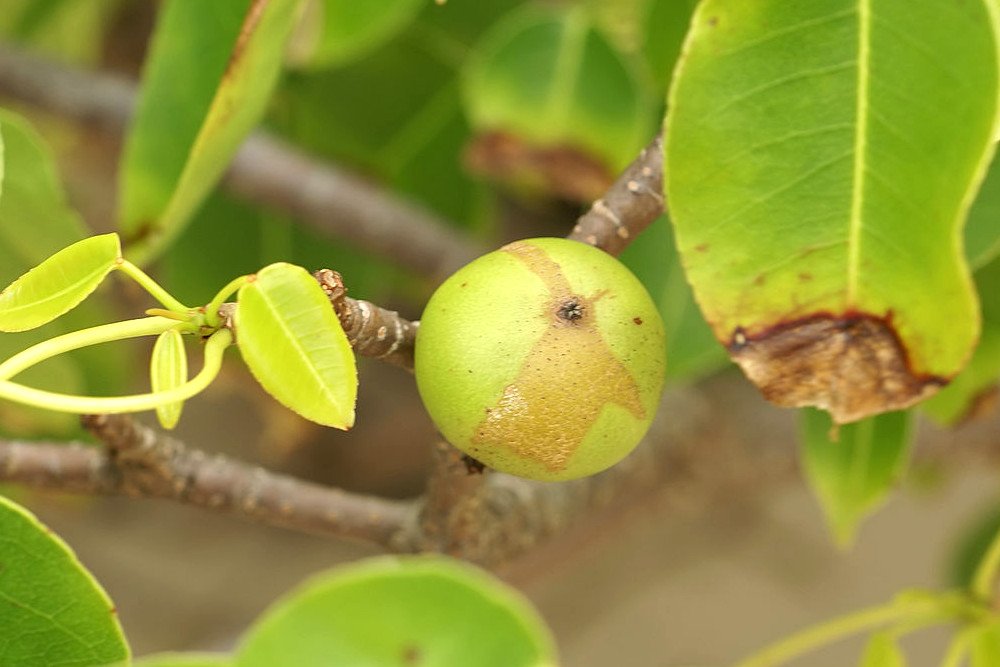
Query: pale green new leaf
[[168, 369], [882, 651], [332, 32], [852, 468], [821, 158], [58, 284], [294, 345], [395, 612], [52, 611], [208, 78]]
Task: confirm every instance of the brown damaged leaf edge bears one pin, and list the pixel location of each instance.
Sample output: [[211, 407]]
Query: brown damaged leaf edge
[[853, 365], [250, 23]]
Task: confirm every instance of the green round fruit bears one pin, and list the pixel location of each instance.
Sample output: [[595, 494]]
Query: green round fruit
[[544, 359]]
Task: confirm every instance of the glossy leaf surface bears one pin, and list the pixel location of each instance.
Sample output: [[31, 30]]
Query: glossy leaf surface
[[821, 160], [58, 284], [294, 345], [882, 651], [400, 612], [168, 369], [52, 611], [336, 31], [852, 468], [208, 77]]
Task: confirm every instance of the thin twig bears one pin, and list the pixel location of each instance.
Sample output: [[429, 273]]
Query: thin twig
[[630, 205], [141, 462], [265, 171]]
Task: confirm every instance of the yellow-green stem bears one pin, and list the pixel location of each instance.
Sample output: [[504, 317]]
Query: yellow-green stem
[[145, 326], [985, 580], [151, 286], [212, 309], [214, 348]]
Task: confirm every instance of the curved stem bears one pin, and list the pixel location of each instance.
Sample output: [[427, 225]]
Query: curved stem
[[985, 580], [920, 613], [145, 326], [151, 286], [214, 348], [212, 309], [957, 650]]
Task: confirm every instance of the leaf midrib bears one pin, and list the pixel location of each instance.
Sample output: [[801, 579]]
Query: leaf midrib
[[856, 222]]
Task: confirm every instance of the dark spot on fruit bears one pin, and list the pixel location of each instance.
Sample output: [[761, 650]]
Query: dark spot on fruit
[[713, 21], [701, 247], [571, 310], [760, 279], [463, 284], [805, 277], [637, 320], [853, 365]]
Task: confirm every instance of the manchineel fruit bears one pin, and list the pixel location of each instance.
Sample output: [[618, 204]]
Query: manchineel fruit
[[543, 359]]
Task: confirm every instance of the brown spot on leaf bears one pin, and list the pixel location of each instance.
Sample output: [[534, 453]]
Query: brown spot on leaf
[[412, 655], [637, 320], [250, 23], [701, 247], [805, 277], [567, 172], [567, 378], [853, 365]]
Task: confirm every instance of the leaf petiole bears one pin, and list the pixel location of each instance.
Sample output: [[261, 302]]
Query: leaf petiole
[[145, 326], [212, 309], [151, 286], [214, 348]]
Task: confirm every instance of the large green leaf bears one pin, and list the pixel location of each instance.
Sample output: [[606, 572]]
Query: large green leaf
[[52, 611], [549, 79], [691, 347], [821, 158], [337, 31], [184, 660], [58, 284], [882, 651], [982, 232], [981, 376], [208, 79], [852, 468], [294, 345], [401, 612]]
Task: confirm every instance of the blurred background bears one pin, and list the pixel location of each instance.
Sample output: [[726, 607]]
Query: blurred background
[[504, 119]]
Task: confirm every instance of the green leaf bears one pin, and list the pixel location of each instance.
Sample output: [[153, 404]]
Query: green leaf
[[882, 651], [294, 345], [184, 660], [820, 159], [68, 29], [208, 78], [665, 27], [550, 79], [399, 612], [52, 611], [58, 284], [692, 350], [167, 370], [333, 32], [978, 381], [982, 231], [852, 468], [971, 545], [986, 646]]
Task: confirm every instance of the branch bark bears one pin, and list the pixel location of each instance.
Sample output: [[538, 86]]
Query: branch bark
[[140, 462], [265, 171]]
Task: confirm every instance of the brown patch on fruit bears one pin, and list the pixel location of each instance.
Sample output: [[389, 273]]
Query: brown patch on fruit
[[853, 365], [566, 380]]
